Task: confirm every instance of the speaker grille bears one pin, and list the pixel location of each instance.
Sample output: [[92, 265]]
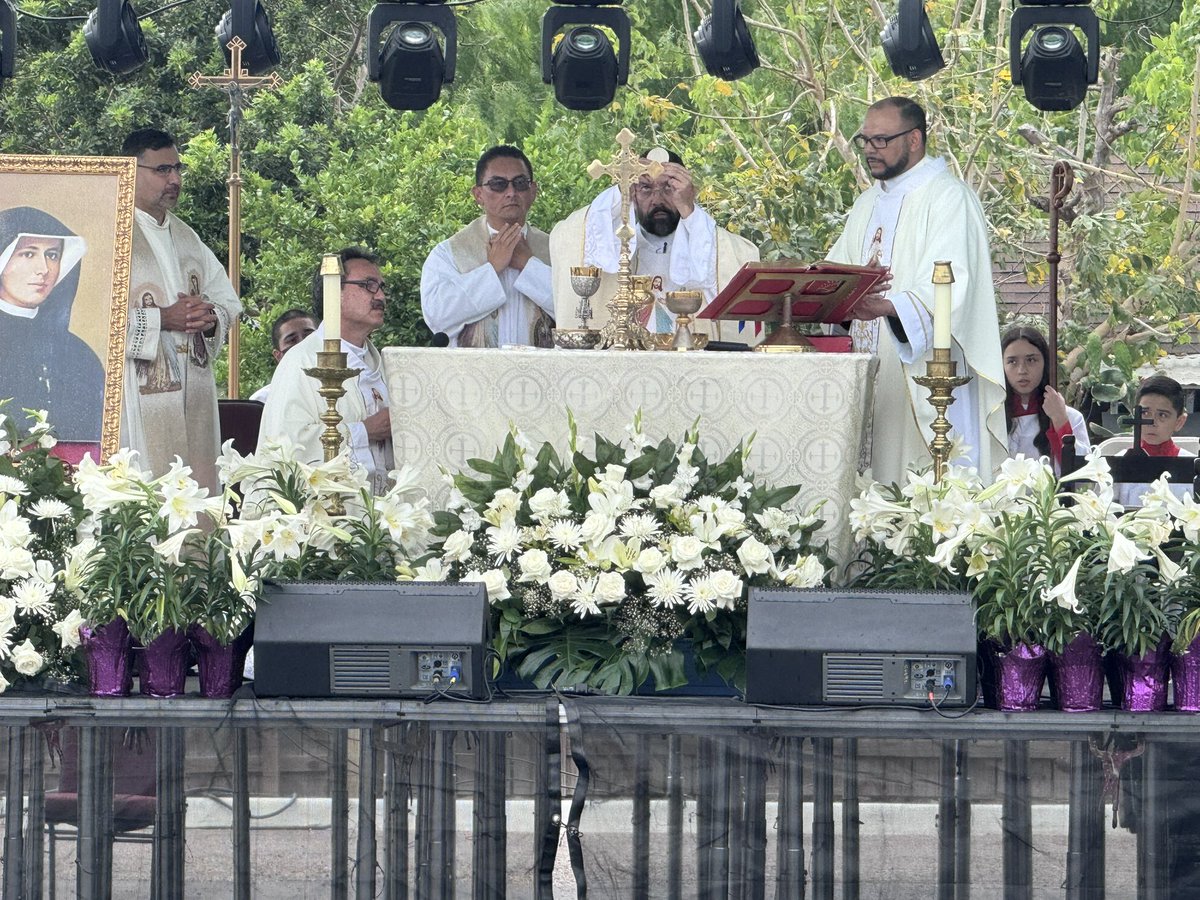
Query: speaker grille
[[360, 670], [852, 677]]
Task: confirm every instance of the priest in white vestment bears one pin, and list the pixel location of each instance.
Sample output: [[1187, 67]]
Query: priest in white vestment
[[294, 407], [918, 212], [675, 241], [489, 284], [181, 307]]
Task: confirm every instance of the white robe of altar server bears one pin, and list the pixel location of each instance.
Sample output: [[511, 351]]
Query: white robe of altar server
[[914, 220], [452, 298], [169, 404], [698, 256], [294, 408], [1025, 430]]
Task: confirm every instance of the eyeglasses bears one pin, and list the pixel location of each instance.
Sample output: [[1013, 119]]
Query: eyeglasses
[[165, 170], [879, 141], [370, 285], [647, 190], [499, 185]]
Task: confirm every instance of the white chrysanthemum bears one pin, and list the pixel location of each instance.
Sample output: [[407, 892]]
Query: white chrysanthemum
[[666, 587], [50, 509], [701, 596], [565, 535], [32, 597], [13, 487], [504, 541], [583, 601], [641, 527]]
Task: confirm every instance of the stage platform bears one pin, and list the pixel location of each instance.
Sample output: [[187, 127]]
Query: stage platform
[[643, 797]]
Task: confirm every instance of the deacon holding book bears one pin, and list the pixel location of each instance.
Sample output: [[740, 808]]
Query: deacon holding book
[[675, 241], [917, 213]]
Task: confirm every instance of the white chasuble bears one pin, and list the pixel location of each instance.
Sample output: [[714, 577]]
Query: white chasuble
[[933, 216], [169, 404]]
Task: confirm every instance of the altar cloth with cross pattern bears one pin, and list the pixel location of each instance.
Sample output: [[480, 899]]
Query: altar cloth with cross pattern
[[808, 412]]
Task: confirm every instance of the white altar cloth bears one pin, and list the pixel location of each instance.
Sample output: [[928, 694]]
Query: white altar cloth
[[808, 412]]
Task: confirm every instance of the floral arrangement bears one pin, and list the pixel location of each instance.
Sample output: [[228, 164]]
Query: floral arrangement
[[596, 565], [39, 511], [1044, 561]]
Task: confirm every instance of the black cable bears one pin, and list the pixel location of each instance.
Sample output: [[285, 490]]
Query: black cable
[[1162, 12], [153, 12]]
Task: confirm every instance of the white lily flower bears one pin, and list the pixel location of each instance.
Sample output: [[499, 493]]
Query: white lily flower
[[1063, 593]]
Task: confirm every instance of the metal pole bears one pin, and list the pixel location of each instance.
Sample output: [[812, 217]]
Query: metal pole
[[851, 844], [641, 818], [755, 868], [14, 856], [169, 816], [364, 855], [790, 880], [442, 826], [397, 773], [241, 815], [339, 813], [490, 825], [35, 817], [1152, 825], [94, 881], [1085, 827], [1017, 816], [674, 818], [705, 815], [945, 823], [1062, 177], [823, 832], [962, 823]]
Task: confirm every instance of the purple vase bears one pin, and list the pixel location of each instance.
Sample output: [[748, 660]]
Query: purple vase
[[219, 665], [1077, 675], [1144, 679], [107, 650], [164, 664], [1020, 674], [1185, 673]]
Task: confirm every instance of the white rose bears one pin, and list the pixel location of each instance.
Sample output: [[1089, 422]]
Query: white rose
[[596, 527], [548, 503], [755, 556], [457, 547], [562, 584], [495, 583], [535, 566], [68, 629], [666, 495], [686, 551], [649, 561], [26, 659], [613, 474], [807, 573], [610, 587], [727, 585]]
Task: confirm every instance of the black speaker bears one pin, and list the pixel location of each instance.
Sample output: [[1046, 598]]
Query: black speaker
[[370, 639], [814, 647]]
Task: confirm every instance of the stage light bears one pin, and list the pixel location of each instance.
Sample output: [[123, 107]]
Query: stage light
[[583, 68], [114, 37], [248, 20], [1053, 69], [411, 67], [724, 43], [908, 42]]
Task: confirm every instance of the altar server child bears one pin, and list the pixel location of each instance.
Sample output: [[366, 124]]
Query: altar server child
[[1038, 417], [1160, 402]]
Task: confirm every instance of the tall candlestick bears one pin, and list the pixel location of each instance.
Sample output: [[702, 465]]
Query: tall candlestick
[[943, 277], [331, 280]]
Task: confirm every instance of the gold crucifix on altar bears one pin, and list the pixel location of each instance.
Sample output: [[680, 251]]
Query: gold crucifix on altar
[[235, 81], [622, 332]]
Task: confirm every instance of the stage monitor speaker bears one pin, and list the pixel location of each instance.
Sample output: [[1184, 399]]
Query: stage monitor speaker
[[814, 647], [377, 639]]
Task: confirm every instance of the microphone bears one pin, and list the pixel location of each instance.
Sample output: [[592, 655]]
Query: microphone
[[439, 339]]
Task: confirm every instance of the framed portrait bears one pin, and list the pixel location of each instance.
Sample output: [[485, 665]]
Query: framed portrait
[[66, 229]]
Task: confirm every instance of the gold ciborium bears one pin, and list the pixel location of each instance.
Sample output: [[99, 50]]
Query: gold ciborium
[[585, 281]]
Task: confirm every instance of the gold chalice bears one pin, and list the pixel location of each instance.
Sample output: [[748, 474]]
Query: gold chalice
[[685, 304], [585, 281]]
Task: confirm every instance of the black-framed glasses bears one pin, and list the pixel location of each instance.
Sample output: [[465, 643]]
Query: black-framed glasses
[[878, 141], [499, 185], [370, 285], [166, 169]]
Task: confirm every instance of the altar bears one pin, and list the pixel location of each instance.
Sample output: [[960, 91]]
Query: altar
[[806, 412]]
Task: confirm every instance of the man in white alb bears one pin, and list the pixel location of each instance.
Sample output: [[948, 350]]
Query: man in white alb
[[489, 284], [915, 214], [294, 408], [181, 307], [675, 241]]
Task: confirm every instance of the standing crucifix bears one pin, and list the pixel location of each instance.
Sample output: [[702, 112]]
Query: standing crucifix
[[235, 81], [624, 170]]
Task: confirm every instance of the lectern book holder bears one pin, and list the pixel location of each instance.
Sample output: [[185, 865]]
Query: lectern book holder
[[786, 291]]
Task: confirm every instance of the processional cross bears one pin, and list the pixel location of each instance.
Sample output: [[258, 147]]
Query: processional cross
[[235, 81], [621, 332]]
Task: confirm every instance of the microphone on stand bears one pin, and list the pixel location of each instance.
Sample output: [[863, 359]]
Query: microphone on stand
[[439, 339]]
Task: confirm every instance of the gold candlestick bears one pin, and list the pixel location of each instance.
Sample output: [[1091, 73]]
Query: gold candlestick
[[941, 378]]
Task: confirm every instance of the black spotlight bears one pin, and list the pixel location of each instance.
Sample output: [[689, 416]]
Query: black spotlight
[[724, 43], [908, 42], [1053, 69], [8, 40], [248, 20], [410, 68], [114, 37], [583, 68]]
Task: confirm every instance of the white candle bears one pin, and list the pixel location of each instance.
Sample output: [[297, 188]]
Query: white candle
[[331, 278], [943, 277]]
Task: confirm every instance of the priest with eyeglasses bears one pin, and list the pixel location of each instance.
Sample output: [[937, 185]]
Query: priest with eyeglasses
[[489, 284], [916, 213]]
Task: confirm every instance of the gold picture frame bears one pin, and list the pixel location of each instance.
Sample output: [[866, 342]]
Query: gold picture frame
[[88, 201]]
